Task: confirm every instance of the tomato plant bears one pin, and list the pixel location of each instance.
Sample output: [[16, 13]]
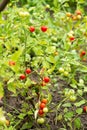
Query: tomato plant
[[43, 64]]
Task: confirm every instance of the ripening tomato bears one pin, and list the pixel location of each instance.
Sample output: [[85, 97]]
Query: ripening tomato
[[82, 53], [68, 14], [28, 71], [44, 101], [46, 79], [78, 12], [40, 112], [44, 28], [7, 122], [43, 84], [32, 28], [11, 63], [22, 76], [42, 105]]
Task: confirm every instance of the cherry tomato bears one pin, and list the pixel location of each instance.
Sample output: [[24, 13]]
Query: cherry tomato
[[32, 28], [85, 109], [61, 70], [46, 79], [72, 98], [68, 14], [28, 71], [78, 12], [42, 105], [45, 109], [11, 63], [72, 38], [44, 28], [22, 76], [40, 112], [2, 120], [82, 53], [44, 101], [43, 84], [40, 120]]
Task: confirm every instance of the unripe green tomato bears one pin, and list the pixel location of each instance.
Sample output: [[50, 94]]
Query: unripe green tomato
[[61, 70], [45, 110], [60, 117], [2, 120], [71, 92], [65, 73], [67, 94], [79, 16], [72, 98], [40, 120], [81, 81]]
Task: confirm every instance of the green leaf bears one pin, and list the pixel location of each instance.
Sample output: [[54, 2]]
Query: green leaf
[[69, 115], [51, 59], [12, 87], [78, 104], [66, 105], [85, 89], [79, 110], [77, 123], [17, 54], [51, 49]]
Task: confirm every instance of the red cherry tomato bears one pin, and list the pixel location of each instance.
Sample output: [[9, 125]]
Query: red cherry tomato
[[46, 79], [42, 105], [40, 112], [72, 38], [28, 71], [44, 28], [32, 28], [22, 76]]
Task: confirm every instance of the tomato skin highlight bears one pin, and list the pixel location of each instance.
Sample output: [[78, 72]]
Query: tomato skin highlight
[[44, 28], [28, 71], [32, 29]]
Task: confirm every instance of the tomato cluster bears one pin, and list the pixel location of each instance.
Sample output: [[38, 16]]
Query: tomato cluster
[[43, 28]]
